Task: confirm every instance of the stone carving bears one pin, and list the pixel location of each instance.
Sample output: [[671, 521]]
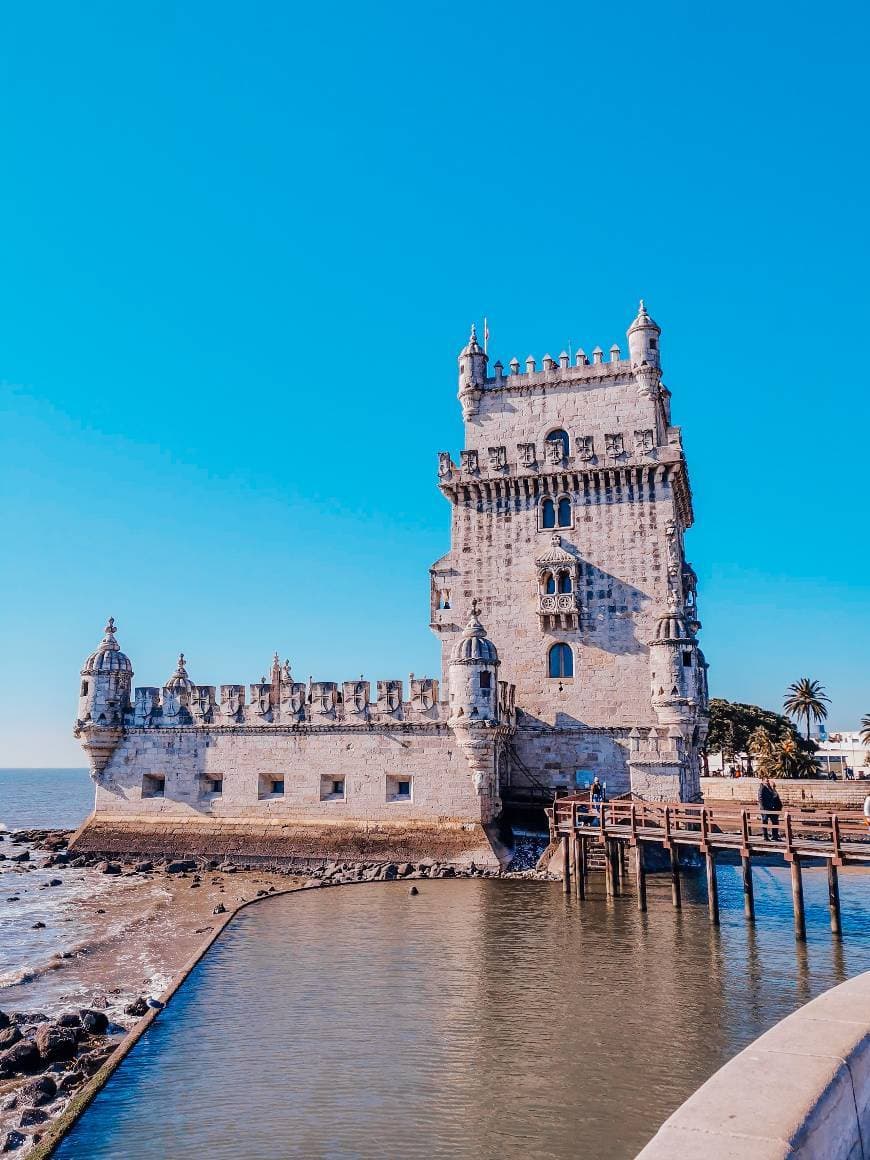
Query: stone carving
[[527, 454], [424, 694], [389, 696], [203, 703], [497, 457], [673, 549], [644, 441], [614, 445], [585, 445], [261, 697], [445, 464], [232, 700], [468, 460], [554, 451]]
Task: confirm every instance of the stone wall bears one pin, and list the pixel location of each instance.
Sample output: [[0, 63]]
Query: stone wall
[[800, 792], [801, 1090]]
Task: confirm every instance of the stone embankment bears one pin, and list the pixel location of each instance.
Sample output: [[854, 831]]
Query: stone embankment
[[801, 1090], [797, 793]]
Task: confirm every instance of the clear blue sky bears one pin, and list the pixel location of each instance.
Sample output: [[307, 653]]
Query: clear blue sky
[[241, 248]]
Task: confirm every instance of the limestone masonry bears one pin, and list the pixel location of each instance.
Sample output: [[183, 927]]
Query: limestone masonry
[[569, 506]]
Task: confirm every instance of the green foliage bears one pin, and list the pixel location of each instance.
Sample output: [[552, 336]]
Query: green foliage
[[732, 724], [865, 729], [806, 699]]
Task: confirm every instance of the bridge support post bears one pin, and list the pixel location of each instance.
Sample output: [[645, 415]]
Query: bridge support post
[[566, 864], [797, 898], [748, 888], [609, 872], [676, 892], [834, 899], [640, 876], [712, 887]]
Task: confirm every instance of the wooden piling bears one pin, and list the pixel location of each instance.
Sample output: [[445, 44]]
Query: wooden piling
[[640, 876], [712, 887], [797, 898], [566, 865], [748, 888], [609, 879], [676, 892], [834, 898]]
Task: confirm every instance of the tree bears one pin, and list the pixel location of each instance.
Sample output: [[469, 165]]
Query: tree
[[865, 729], [806, 698], [787, 757], [732, 724]]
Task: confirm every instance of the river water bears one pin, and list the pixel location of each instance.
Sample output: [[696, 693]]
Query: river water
[[480, 1019]]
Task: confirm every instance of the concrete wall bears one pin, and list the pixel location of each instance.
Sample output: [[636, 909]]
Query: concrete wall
[[797, 793], [800, 1090]]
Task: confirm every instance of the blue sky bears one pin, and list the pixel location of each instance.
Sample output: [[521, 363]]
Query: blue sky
[[240, 248]]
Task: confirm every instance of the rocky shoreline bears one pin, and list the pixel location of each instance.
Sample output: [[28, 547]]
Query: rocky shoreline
[[45, 1059]]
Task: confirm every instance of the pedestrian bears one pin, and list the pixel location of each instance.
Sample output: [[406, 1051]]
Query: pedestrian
[[597, 791], [867, 810], [770, 803]]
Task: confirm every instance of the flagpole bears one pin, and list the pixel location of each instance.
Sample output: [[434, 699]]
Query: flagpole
[[485, 335]]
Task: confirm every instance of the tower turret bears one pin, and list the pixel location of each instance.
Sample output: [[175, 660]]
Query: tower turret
[[472, 374], [104, 698], [677, 670], [643, 340], [178, 693], [473, 675]]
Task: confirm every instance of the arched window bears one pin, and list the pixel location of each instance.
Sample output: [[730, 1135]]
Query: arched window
[[548, 514], [564, 512], [560, 436], [564, 581], [549, 584], [561, 661]]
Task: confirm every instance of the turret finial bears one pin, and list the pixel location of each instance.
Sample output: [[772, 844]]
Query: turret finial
[[475, 610], [473, 336], [181, 663], [642, 307], [109, 630]]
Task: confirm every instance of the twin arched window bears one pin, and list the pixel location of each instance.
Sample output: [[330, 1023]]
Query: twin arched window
[[560, 583], [561, 661], [556, 513]]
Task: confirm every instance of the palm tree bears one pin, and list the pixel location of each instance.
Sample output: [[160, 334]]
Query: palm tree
[[865, 729], [806, 699]]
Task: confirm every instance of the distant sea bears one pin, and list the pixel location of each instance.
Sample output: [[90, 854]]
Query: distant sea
[[44, 798]]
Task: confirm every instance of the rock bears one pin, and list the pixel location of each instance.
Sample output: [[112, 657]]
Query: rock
[[109, 867], [38, 926], [21, 1017], [262, 893], [403, 869], [137, 1008], [93, 1021], [11, 1104], [99, 1001], [13, 1141], [55, 882], [195, 885], [24, 856], [14, 898], [31, 1116], [180, 866], [413, 890], [143, 867], [219, 909], [56, 1043], [4, 1020], [69, 1019], [71, 1080], [94, 1060], [39, 1091], [10, 1036], [22, 1056]]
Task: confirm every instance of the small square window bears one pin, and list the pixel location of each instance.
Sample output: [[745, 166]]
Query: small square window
[[332, 789], [217, 785], [687, 659], [485, 681], [153, 786], [84, 688], [278, 785], [399, 789]]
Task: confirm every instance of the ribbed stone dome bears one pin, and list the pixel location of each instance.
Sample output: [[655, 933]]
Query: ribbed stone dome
[[108, 658], [643, 320], [475, 645], [180, 681], [672, 626]]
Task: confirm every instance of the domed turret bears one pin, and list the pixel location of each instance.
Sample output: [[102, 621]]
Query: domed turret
[[643, 340], [676, 669], [178, 694], [104, 698], [180, 682], [472, 374], [473, 670]]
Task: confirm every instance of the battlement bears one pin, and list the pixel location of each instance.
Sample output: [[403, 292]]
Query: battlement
[[300, 704], [561, 370]]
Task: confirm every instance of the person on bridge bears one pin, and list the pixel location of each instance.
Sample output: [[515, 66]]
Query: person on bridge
[[597, 789], [770, 804]]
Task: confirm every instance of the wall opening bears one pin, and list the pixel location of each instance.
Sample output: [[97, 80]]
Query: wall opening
[[561, 661], [332, 789], [153, 786], [399, 788]]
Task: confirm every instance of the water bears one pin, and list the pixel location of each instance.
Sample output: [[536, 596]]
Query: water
[[45, 798], [481, 1019]]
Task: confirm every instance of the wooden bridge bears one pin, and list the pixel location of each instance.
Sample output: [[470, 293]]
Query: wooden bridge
[[628, 825]]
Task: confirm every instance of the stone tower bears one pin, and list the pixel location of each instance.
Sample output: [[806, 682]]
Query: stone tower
[[104, 698], [569, 506]]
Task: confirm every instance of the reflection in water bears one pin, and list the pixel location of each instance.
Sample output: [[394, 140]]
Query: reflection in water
[[480, 1019]]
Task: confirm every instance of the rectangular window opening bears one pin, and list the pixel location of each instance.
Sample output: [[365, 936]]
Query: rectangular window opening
[[332, 789], [153, 786], [217, 785], [687, 659], [399, 789]]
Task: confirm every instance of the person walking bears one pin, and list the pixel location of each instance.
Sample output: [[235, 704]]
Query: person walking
[[770, 803], [867, 810], [597, 791]]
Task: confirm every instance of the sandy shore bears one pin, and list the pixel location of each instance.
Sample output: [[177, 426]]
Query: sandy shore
[[122, 933]]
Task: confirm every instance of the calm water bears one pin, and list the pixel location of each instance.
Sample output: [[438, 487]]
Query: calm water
[[44, 798], [480, 1019]]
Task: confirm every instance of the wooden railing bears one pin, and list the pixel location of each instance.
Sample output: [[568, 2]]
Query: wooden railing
[[839, 838]]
